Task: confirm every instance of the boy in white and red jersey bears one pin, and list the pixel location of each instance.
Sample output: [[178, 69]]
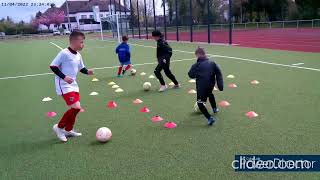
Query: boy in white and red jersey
[[66, 66]]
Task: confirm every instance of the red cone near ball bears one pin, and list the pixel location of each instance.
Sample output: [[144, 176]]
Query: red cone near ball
[[224, 104], [112, 105], [170, 125], [145, 110], [156, 119], [51, 114], [232, 86], [251, 114]]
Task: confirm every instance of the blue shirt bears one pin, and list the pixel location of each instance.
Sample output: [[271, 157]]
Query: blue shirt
[[123, 51]]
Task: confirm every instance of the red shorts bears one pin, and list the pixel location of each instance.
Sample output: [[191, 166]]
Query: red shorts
[[71, 97]]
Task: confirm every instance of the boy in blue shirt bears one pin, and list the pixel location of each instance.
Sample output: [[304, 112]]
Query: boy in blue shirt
[[124, 55]]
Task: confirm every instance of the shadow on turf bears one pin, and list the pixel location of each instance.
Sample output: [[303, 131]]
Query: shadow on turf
[[97, 143]]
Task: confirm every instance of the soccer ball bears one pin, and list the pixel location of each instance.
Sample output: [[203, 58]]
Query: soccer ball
[[133, 72], [103, 134], [147, 86]]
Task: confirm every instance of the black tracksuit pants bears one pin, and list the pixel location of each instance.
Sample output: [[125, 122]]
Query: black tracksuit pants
[[202, 97], [164, 64]]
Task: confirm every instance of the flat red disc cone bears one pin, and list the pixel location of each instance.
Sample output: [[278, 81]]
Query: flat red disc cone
[[251, 114], [145, 110], [51, 114], [224, 104], [156, 118], [232, 86], [170, 125], [112, 104]]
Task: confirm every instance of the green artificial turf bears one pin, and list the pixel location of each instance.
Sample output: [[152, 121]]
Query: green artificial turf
[[287, 101]]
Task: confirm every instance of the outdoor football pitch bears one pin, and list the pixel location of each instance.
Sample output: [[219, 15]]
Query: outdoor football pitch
[[287, 101]]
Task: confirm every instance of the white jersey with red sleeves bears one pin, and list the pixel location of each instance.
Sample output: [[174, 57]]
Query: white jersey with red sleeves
[[69, 63]]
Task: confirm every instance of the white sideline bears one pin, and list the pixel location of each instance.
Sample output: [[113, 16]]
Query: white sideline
[[56, 45], [98, 68], [211, 55], [241, 59]]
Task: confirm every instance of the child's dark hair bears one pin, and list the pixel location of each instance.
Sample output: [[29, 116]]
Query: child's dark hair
[[76, 34], [156, 33], [125, 38]]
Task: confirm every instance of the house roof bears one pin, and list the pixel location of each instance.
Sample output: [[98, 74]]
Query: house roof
[[86, 6]]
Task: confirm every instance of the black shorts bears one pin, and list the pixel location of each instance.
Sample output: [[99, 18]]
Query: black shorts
[[203, 94]]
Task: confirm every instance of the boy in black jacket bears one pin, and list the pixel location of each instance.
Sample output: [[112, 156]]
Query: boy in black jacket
[[206, 73], [164, 53]]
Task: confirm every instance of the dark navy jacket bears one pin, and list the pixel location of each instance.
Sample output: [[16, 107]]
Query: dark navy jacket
[[206, 73], [123, 51], [164, 51]]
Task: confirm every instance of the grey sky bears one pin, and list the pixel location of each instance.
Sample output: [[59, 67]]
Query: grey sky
[[19, 13]]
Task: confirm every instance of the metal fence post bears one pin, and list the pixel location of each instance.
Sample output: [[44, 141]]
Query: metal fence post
[[191, 21], [312, 23], [138, 19], [177, 23], [146, 18], [230, 22], [154, 16], [297, 24], [164, 19], [208, 21], [131, 17], [120, 19], [125, 13]]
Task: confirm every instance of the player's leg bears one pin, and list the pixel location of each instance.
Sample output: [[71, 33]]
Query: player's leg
[[201, 100], [128, 66], [167, 71], [213, 103], [120, 70], [75, 109], [73, 101], [158, 74]]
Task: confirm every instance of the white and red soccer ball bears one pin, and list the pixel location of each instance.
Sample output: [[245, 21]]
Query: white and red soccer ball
[[103, 134]]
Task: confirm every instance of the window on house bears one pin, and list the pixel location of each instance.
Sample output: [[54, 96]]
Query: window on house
[[83, 16], [91, 16]]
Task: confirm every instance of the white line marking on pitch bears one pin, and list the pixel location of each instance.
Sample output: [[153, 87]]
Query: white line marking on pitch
[[56, 45], [297, 64], [241, 59]]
